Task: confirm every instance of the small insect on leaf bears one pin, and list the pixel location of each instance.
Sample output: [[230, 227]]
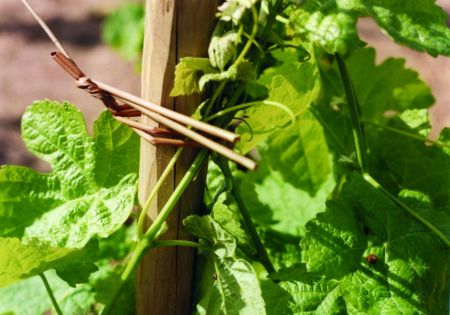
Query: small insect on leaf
[[214, 275], [372, 259]]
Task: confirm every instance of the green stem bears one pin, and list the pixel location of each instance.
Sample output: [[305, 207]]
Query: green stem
[[176, 195], [249, 43], [214, 98], [166, 243], [408, 209], [148, 239], [50, 294], [246, 105], [154, 192], [357, 128], [261, 252], [254, 42], [406, 134]]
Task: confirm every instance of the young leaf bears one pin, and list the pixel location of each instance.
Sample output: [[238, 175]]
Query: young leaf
[[419, 24], [417, 120], [221, 49], [187, 74], [233, 10], [236, 289], [55, 215]]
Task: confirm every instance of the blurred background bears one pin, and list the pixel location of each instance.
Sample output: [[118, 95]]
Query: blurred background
[[28, 72], [88, 30]]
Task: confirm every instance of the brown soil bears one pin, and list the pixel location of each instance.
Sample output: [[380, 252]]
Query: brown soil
[[28, 73]]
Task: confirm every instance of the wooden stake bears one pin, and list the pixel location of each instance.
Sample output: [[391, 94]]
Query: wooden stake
[[174, 28]]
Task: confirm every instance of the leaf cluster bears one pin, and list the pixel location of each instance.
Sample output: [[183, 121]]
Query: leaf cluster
[[340, 239], [60, 220]]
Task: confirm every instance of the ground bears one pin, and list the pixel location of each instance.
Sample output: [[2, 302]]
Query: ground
[[28, 73]]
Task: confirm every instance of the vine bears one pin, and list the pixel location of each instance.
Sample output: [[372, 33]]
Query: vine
[[348, 211]]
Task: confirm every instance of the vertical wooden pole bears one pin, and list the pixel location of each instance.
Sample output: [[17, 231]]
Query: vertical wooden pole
[[174, 28]]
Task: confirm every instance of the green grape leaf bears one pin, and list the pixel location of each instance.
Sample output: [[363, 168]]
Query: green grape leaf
[[336, 246], [236, 289], [222, 48], [295, 86], [282, 248], [124, 30], [421, 24], [300, 153], [54, 215], [278, 205], [18, 260], [226, 213], [286, 213], [331, 24], [414, 164], [346, 238], [407, 245], [116, 148], [188, 73], [233, 10], [79, 271], [278, 300], [387, 88], [317, 296]]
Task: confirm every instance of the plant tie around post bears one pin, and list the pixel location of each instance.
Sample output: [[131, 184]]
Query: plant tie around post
[[178, 125]]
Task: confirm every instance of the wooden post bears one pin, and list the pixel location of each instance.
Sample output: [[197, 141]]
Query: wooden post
[[174, 28]]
